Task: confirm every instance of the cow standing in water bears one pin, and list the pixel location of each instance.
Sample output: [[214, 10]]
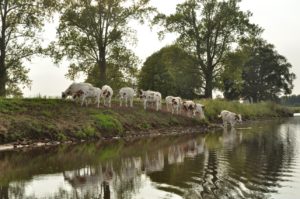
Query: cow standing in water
[[230, 117]]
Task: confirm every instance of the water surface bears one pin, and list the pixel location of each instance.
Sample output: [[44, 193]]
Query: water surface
[[258, 161]]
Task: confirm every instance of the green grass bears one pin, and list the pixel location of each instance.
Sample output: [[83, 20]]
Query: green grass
[[56, 119], [248, 111]]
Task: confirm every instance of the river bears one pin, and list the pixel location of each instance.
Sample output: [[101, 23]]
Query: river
[[260, 160]]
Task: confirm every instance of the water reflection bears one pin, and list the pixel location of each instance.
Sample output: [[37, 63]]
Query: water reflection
[[256, 162]]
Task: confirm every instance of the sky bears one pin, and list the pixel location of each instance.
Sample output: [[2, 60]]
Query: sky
[[279, 19]]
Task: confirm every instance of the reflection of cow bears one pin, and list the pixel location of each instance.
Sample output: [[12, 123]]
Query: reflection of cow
[[153, 162], [85, 179], [177, 153]]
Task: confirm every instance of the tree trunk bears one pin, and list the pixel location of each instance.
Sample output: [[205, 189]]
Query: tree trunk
[[3, 71], [102, 68], [102, 75], [208, 85]]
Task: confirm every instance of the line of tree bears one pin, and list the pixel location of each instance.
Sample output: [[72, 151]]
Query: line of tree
[[292, 100], [217, 47]]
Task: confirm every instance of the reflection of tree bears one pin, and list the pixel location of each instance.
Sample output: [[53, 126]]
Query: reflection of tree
[[221, 165], [4, 192]]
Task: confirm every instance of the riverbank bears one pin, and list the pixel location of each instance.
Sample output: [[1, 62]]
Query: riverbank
[[27, 121]]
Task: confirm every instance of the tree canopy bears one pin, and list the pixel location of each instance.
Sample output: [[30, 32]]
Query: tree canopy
[[20, 23], [171, 71], [94, 33], [207, 29], [258, 71]]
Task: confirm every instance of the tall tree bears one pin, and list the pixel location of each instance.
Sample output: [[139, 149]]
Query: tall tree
[[92, 31], [171, 71], [266, 74], [20, 21], [257, 71], [207, 29]]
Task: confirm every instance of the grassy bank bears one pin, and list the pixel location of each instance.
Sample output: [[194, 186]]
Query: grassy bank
[[55, 119], [248, 111]]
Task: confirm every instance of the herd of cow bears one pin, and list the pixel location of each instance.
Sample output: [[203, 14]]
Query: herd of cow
[[86, 92]]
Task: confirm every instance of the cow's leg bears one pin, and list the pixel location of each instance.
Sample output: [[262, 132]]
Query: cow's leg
[[126, 101], [120, 101], [82, 100], [109, 100], [131, 102], [145, 104]]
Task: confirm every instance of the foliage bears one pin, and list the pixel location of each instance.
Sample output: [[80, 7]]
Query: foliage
[[257, 71], [207, 29], [96, 34], [172, 72], [20, 23]]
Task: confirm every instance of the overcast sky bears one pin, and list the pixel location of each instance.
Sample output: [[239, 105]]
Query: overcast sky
[[279, 18]]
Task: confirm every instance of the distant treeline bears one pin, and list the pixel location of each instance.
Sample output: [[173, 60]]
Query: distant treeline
[[293, 100]]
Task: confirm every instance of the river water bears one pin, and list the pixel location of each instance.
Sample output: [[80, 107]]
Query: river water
[[260, 160]]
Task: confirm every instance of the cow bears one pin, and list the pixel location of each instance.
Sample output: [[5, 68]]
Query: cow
[[107, 93], [230, 117], [189, 107], [126, 94], [151, 97], [168, 100], [75, 87], [199, 109]]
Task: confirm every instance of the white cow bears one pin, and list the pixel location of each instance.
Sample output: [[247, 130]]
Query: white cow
[[151, 97], [199, 110], [107, 94], [169, 102], [75, 87], [176, 105], [189, 106], [230, 117], [86, 93], [126, 94]]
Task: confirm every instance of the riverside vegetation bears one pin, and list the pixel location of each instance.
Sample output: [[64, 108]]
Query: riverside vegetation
[[39, 119]]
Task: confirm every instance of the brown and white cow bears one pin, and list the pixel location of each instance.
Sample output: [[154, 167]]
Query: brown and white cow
[[230, 117], [151, 97], [107, 93]]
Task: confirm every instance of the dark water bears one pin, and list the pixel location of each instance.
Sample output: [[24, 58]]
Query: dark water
[[261, 162]]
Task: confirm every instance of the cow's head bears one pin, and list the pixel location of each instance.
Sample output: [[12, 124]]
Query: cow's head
[[142, 94], [174, 101], [63, 95], [238, 118], [106, 93]]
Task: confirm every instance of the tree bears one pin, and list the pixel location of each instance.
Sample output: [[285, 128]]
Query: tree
[[231, 78], [266, 74], [116, 78], [258, 71], [172, 72], [91, 32], [20, 22], [207, 28]]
